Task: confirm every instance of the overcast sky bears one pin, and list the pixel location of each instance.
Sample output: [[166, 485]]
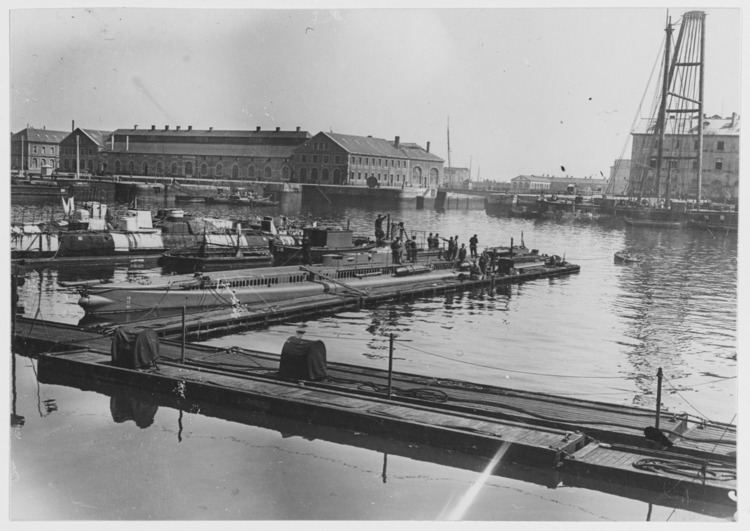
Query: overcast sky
[[527, 90]]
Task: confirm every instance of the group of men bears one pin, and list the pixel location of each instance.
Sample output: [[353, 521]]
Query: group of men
[[397, 249]]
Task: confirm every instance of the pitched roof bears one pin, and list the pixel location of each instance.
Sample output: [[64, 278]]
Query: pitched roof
[[367, 145], [227, 133], [99, 137], [713, 125], [42, 135]]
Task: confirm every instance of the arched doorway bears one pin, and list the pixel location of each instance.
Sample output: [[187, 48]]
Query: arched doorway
[[416, 176]]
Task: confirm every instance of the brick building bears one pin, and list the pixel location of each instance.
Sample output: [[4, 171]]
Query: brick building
[[35, 151], [334, 158], [80, 151], [259, 155], [721, 161]]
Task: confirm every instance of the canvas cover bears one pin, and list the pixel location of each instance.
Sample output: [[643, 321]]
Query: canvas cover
[[303, 359], [135, 348]]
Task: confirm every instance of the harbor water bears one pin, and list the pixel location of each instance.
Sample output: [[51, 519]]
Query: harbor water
[[601, 335]]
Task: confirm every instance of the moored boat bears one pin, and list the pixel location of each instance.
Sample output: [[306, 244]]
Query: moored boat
[[169, 295], [625, 257]]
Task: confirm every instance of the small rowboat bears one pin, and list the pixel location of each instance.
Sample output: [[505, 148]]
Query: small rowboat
[[624, 257]]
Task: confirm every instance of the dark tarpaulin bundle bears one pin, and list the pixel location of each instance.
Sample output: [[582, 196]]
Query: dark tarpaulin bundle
[[302, 359], [135, 348]]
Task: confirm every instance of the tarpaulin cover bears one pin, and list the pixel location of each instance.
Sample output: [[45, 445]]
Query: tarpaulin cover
[[302, 359], [135, 348]]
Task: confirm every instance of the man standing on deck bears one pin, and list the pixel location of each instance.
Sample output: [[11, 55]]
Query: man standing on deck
[[379, 234], [473, 241], [396, 250]]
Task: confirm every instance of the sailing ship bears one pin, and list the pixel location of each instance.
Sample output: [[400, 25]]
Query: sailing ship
[[666, 184]]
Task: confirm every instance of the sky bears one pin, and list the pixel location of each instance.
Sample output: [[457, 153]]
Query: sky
[[525, 90]]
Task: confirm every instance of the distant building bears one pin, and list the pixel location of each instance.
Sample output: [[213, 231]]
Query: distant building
[[81, 150], [334, 158], [259, 155], [721, 161], [456, 177], [533, 184], [36, 151], [619, 176]]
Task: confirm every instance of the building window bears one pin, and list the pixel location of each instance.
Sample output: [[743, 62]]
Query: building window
[[44, 150], [720, 145], [360, 160], [267, 173], [315, 159], [325, 159], [44, 162], [304, 158], [314, 175], [336, 176], [52, 150], [219, 169], [188, 168], [173, 169], [695, 164], [145, 168], [285, 173], [652, 162], [337, 159], [33, 149], [159, 168], [303, 174], [719, 164], [672, 164], [131, 168], [325, 175], [251, 172], [235, 172], [204, 169], [359, 175]]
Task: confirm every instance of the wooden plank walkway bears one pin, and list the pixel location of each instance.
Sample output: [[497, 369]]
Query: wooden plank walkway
[[461, 432], [609, 423], [661, 471]]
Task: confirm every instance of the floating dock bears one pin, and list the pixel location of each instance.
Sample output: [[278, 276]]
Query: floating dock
[[590, 443]]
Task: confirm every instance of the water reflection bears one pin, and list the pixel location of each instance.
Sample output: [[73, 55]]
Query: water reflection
[[125, 407], [130, 404]]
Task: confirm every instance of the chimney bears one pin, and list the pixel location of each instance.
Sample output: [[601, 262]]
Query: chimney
[[176, 127], [112, 143], [153, 127], [190, 127], [166, 128], [257, 129], [397, 142], [428, 146], [734, 118], [135, 127], [297, 129], [278, 129], [210, 128], [72, 125], [127, 143]]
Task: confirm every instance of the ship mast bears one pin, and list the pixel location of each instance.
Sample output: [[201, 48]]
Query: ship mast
[[661, 120], [681, 105]]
